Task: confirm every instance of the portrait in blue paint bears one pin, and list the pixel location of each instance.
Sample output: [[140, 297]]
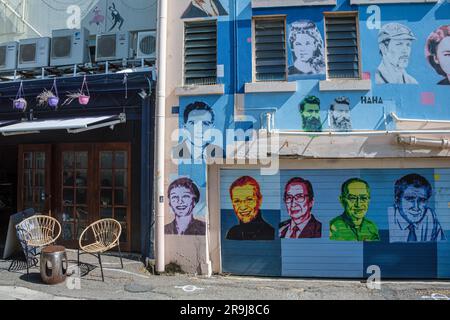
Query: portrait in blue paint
[[310, 114], [247, 199], [307, 47], [198, 118], [184, 195], [299, 202], [340, 117], [204, 8], [395, 43], [412, 219], [353, 225], [437, 52]]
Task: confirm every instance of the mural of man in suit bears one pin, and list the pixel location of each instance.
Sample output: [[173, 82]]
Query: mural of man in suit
[[413, 220], [353, 225], [247, 199], [204, 8], [299, 201]]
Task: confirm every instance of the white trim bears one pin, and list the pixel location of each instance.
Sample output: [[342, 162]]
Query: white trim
[[345, 85], [275, 86], [291, 3], [215, 89]]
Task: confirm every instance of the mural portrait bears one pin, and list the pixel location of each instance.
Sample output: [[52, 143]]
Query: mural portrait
[[299, 201], [340, 118], [246, 199], [310, 113], [306, 44], [198, 118], [395, 43], [183, 196], [437, 51], [204, 8], [353, 225], [413, 220]]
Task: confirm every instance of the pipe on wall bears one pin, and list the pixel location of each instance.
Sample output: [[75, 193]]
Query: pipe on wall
[[397, 119], [160, 136], [434, 143]]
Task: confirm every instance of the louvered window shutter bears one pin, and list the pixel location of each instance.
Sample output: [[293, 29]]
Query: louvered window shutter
[[200, 53], [270, 49], [342, 47]]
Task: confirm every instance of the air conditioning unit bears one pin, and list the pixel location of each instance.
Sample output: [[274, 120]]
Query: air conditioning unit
[[69, 47], [34, 53], [8, 56], [146, 45], [114, 46]]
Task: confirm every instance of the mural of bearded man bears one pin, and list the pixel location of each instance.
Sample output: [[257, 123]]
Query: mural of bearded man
[[310, 112]]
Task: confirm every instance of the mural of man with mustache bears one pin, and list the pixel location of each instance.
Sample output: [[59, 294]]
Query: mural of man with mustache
[[340, 115], [310, 112], [395, 42]]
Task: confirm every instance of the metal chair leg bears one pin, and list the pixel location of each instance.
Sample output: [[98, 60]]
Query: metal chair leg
[[78, 258], [120, 254], [101, 267]]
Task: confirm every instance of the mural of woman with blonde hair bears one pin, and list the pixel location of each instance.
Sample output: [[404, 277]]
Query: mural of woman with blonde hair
[[437, 51]]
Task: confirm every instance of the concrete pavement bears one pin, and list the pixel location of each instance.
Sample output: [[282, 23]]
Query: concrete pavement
[[134, 282]]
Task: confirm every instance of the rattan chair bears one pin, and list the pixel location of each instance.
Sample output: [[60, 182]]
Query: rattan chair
[[106, 234], [35, 233]]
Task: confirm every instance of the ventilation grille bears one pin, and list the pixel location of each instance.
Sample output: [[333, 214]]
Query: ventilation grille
[[61, 47], [106, 46], [27, 53], [2, 56], [147, 45]]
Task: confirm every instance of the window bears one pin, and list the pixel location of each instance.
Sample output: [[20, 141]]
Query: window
[[342, 45], [270, 49], [200, 53]]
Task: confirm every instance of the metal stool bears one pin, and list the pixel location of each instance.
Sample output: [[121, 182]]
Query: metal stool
[[54, 265]]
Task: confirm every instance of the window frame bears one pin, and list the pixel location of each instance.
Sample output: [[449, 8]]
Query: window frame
[[353, 14], [183, 65], [268, 17]]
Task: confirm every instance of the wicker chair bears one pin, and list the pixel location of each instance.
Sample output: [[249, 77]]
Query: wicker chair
[[35, 233], [106, 234]]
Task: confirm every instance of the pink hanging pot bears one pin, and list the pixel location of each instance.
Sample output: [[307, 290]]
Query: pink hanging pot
[[83, 99]]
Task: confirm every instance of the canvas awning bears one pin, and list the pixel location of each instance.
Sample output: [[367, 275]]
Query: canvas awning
[[72, 125]]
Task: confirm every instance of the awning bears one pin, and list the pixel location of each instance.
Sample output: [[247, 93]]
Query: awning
[[72, 125]]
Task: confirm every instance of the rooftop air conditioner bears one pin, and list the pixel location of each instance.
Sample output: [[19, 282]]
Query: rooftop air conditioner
[[8, 56], [146, 45], [114, 46], [34, 53], [70, 47]]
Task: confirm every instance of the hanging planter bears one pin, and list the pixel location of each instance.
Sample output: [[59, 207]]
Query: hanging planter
[[82, 95], [19, 103], [49, 97]]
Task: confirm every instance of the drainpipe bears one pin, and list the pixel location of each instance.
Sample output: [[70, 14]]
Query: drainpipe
[[434, 143], [160, 136], [397, 119]]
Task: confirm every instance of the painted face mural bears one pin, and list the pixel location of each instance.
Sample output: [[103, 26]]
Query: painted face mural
[[353, 224], [246, 199], [299, 201], [198, 118], [395, 44], [204, 8], [183, 197], [413, 220], [310, 112], [307, 48], [437, 51], [340, 115]]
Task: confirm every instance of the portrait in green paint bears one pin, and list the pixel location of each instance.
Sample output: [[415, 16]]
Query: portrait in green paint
[[310, 113], [353, 225]]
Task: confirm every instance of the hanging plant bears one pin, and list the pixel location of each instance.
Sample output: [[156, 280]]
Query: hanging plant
[[19, 103], [82, 95]]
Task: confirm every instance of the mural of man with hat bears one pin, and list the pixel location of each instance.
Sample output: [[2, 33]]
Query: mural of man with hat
[[395, 42]]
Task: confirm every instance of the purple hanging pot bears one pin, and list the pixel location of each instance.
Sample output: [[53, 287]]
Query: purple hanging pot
[[53, 102], [20, 104]]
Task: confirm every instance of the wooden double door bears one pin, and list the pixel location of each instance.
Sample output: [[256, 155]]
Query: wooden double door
[[77, 184]]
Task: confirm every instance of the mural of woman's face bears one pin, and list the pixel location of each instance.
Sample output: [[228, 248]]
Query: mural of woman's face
[[304, 47], [413, 204], [397, 52], [182, 201], [245, 203], [443, 55]]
